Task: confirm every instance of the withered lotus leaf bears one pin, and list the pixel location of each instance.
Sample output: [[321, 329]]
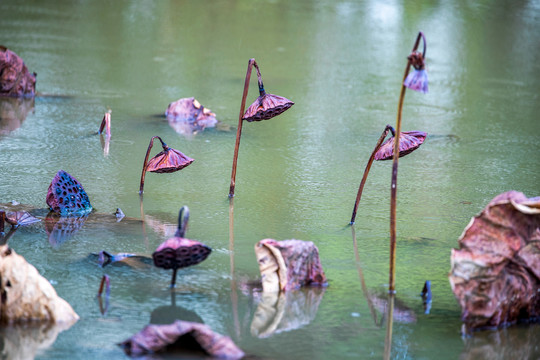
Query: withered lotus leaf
[[180, 335], [167, 161], [15, 79], [26, 296], [191, 111], [408, 142], [266, 107], [66, 195], [495, 273], [20, 218], [289, 264]]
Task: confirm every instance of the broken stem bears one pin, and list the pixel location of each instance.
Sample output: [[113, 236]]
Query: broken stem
[[393, 188], [146, 160], [366, 170], [105, 124], [251, 63]]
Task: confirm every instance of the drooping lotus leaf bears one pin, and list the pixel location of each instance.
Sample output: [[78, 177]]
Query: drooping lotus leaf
[[266, 107], [167, 161], [66, 195], [408, 142]]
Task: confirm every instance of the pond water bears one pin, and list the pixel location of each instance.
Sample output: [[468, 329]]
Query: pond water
[[341, 62]]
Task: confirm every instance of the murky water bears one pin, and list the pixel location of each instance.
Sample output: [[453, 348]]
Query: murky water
[[341, 63]]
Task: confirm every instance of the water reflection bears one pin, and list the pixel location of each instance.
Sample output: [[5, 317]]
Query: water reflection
[[519, 342], [13, 111], [61, 228], [25, 341], [285, 311], [170, 313]]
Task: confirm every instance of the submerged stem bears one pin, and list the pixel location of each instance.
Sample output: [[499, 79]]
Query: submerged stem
[[366, 171], [393, 188], [251, 63]]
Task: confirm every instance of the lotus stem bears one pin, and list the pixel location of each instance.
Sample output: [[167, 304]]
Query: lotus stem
[[2, 220], [183, 218], [259, 80], [393, 188], [366, 170], [173, 279], [146, 161], [251, 63]]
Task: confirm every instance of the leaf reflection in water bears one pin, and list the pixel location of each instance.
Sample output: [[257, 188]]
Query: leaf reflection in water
[[285, 311]]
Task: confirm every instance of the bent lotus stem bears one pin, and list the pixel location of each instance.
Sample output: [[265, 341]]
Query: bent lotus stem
[[146, 160], [393, 188], [183, 218], [251, 63], [368, 167]]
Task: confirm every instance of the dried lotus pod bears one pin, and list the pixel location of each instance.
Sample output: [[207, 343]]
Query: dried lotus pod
[[66, 195], [178, 252]]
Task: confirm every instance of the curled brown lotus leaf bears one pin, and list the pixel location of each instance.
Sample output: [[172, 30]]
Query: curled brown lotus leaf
[[408, 142], [181, 335], [26, 296], [15, 79], [495, 273], [289, 264]]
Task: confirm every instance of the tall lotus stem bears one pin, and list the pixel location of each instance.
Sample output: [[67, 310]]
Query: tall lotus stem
[[146, 160], [240, 122], [393, 188], [366, 170]]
